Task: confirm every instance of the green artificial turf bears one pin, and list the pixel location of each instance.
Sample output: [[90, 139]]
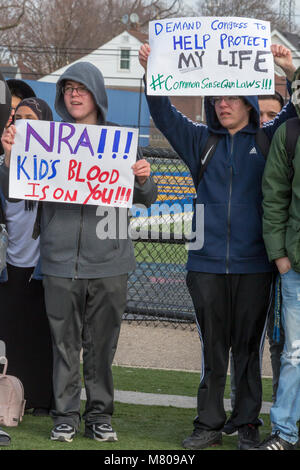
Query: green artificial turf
[[139, 427], [169, 382]]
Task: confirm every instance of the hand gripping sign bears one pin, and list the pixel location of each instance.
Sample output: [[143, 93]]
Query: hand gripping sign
[[73, 163], [210, 56]]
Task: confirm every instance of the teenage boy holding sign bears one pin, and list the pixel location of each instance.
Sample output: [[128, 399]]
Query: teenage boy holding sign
[[85, 277], [230, 277]]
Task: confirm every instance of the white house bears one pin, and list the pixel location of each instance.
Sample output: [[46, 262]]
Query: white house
[[117, 60], [10, 71], [290, 40]]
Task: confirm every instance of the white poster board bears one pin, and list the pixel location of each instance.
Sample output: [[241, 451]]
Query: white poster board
[[73, 163], [210, 56]]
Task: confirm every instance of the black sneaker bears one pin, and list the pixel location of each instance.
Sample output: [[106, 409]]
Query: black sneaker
[[274, 442], [248, 436], [229, 428], [200, 439], [63, 433], [101, 432]]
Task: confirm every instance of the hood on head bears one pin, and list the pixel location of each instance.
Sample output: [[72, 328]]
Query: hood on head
[[39, 107], [214, 124], [91, 77], [20, 88], [5, 103]]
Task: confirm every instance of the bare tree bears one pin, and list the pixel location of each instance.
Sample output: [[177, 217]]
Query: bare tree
[[258, 9], [55, 32], [11, 13]]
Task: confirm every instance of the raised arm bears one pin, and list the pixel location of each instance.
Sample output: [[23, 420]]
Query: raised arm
[[184, 135], [283, 58]]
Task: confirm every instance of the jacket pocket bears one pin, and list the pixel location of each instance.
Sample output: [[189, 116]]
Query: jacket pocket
[[246, 239], [98, 246], [292, 242], [212, 231], [59, 233]]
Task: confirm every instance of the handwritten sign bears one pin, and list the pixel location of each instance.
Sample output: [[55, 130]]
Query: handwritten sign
[[73, 163], [210, 56]]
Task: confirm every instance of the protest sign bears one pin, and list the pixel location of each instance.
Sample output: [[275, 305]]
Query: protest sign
[[210, 56], [73, 163]]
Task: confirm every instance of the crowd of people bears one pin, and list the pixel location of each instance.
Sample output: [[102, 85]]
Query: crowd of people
[[64, 290], [83, 297]]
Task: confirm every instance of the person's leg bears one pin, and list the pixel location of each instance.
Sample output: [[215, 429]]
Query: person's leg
[[229, 427], [275, 349], [65, 304], [106, 302], [251, 302], [286, 410], [232, 381], [210, 297]]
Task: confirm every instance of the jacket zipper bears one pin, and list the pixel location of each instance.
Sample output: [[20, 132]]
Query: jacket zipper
[[229, 211], [79, 243]]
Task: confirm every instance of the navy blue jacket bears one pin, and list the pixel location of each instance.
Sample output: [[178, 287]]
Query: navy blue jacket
[[230, 189]]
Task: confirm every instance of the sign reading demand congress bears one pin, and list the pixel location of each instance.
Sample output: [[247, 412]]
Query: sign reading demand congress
[[210, 56]]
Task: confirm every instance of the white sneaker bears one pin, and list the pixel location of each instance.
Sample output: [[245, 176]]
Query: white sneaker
[[101, 432], [63, 433]]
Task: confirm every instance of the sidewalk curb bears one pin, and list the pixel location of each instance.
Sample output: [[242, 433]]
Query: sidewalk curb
[[152, 399]]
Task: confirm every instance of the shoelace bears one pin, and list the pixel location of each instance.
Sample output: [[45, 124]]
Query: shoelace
[[104, 427], [64, 427]]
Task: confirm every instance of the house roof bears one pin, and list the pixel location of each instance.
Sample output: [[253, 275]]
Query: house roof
[[93, 56], [142, 37], [293, 38], [9, 71]]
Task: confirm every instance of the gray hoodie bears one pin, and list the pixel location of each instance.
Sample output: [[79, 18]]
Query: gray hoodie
[[69, 243]]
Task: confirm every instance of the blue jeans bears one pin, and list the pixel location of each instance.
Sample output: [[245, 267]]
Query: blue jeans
[[286, 410]]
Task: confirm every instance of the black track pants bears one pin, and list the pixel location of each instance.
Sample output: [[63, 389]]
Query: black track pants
[[84, 313], [231, 311]]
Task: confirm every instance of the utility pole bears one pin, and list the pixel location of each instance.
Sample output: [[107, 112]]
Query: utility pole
[[287, 10]]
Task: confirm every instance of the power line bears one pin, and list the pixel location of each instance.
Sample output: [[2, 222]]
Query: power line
[[96, 52]]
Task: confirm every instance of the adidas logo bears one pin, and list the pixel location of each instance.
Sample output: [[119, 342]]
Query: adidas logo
[[253, 151]]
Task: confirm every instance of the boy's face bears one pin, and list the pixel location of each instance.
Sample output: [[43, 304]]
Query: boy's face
[[24, 112], [269, 109], [80, 103], [233, 115]]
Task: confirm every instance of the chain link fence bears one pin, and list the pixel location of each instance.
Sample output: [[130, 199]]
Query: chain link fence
[[157, 290]]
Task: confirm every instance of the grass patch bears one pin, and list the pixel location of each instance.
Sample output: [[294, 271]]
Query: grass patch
[[138, 427], [168, 382]]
